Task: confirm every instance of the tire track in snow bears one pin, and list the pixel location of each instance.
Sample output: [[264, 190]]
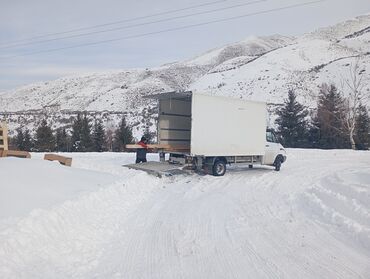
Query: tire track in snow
[[247, 224], [305, 181]]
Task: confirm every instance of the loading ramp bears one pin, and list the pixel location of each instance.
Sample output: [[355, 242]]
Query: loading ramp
[[159, 169]]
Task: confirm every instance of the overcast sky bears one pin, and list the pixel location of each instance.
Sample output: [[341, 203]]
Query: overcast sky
[[25, 19]]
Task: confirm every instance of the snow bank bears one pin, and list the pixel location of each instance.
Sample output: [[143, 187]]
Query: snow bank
[[69, 240], [32, 184]]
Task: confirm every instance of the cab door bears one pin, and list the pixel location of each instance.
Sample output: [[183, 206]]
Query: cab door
[[272, 148]]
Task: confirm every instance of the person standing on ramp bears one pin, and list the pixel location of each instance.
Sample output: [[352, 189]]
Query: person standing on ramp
[[141, 152]]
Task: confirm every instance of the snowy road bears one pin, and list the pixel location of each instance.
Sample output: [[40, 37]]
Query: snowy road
[[311, 220]]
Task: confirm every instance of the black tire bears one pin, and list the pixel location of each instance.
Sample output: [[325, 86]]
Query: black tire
[[219, 168], [277, 164]]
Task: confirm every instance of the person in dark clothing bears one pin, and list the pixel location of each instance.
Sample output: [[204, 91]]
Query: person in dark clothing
[[141, 152]]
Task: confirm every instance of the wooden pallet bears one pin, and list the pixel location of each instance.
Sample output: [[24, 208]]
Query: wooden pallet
[[3, 136], [151, 146], [161, 147], [66, 161]]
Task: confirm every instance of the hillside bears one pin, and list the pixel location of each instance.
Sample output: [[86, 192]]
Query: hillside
[[324, 55], [258, 68]]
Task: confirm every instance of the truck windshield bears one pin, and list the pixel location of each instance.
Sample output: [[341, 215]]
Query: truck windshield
[[270, 137]]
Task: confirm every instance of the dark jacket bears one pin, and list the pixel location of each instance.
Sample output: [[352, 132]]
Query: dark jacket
[[141, 152]]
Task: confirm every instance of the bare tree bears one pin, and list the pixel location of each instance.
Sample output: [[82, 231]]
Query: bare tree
[[352, 89]]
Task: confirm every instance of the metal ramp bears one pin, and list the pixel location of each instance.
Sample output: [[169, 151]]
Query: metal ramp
[[159, 169]]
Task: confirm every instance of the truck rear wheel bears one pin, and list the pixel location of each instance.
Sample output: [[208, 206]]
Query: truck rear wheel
[[219, 168]]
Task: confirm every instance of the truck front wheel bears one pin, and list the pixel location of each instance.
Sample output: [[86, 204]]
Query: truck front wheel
[[219, 168], [277, 163]]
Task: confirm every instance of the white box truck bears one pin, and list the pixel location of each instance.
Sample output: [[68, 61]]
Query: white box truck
[[207, 133]]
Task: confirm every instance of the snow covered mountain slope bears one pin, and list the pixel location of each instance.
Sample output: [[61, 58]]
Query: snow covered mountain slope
[[122, 90], [310, 220], [258, 68], [325, 55]]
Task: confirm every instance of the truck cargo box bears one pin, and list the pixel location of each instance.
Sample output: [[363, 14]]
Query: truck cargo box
[[205, 125]]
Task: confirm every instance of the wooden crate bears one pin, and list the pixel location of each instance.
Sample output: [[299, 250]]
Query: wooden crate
[[15, 153], [66, 161]]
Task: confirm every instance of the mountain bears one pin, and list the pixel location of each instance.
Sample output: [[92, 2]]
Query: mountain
[[258, 68]]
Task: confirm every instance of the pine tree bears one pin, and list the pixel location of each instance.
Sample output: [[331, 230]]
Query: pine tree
[[98, 136], [45, 140], [12, 143], [314, 129], [109, 138], [291, 121], [61, 140], [76, 134], [148, 134], [363, 128], [330, 114], [19, 139], [27, 140], [86, 137], [122, 136]]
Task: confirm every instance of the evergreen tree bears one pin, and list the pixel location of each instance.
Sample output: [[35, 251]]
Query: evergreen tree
[[19, 139], [27, 140], [363, 128], [148, 134], [45, 140], [109, 138], [291, 121], [12, 143], [61, 140], [314, 132], [122, 136], [86, 137], [330, 115], [98, 136], [76, 134]]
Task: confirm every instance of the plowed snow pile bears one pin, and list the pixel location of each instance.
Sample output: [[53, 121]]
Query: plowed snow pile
[[99, 220]]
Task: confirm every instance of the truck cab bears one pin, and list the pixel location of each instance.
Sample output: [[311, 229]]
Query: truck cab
[[275, 153]]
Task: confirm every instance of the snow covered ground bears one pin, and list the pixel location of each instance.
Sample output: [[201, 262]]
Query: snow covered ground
[[100, 220]]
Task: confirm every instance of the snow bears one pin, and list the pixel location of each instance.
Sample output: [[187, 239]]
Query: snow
[[22, 193], [252, 46], [310, 220], [268, 77]]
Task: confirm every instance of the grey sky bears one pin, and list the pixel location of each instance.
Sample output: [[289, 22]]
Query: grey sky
[[22, 19]]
